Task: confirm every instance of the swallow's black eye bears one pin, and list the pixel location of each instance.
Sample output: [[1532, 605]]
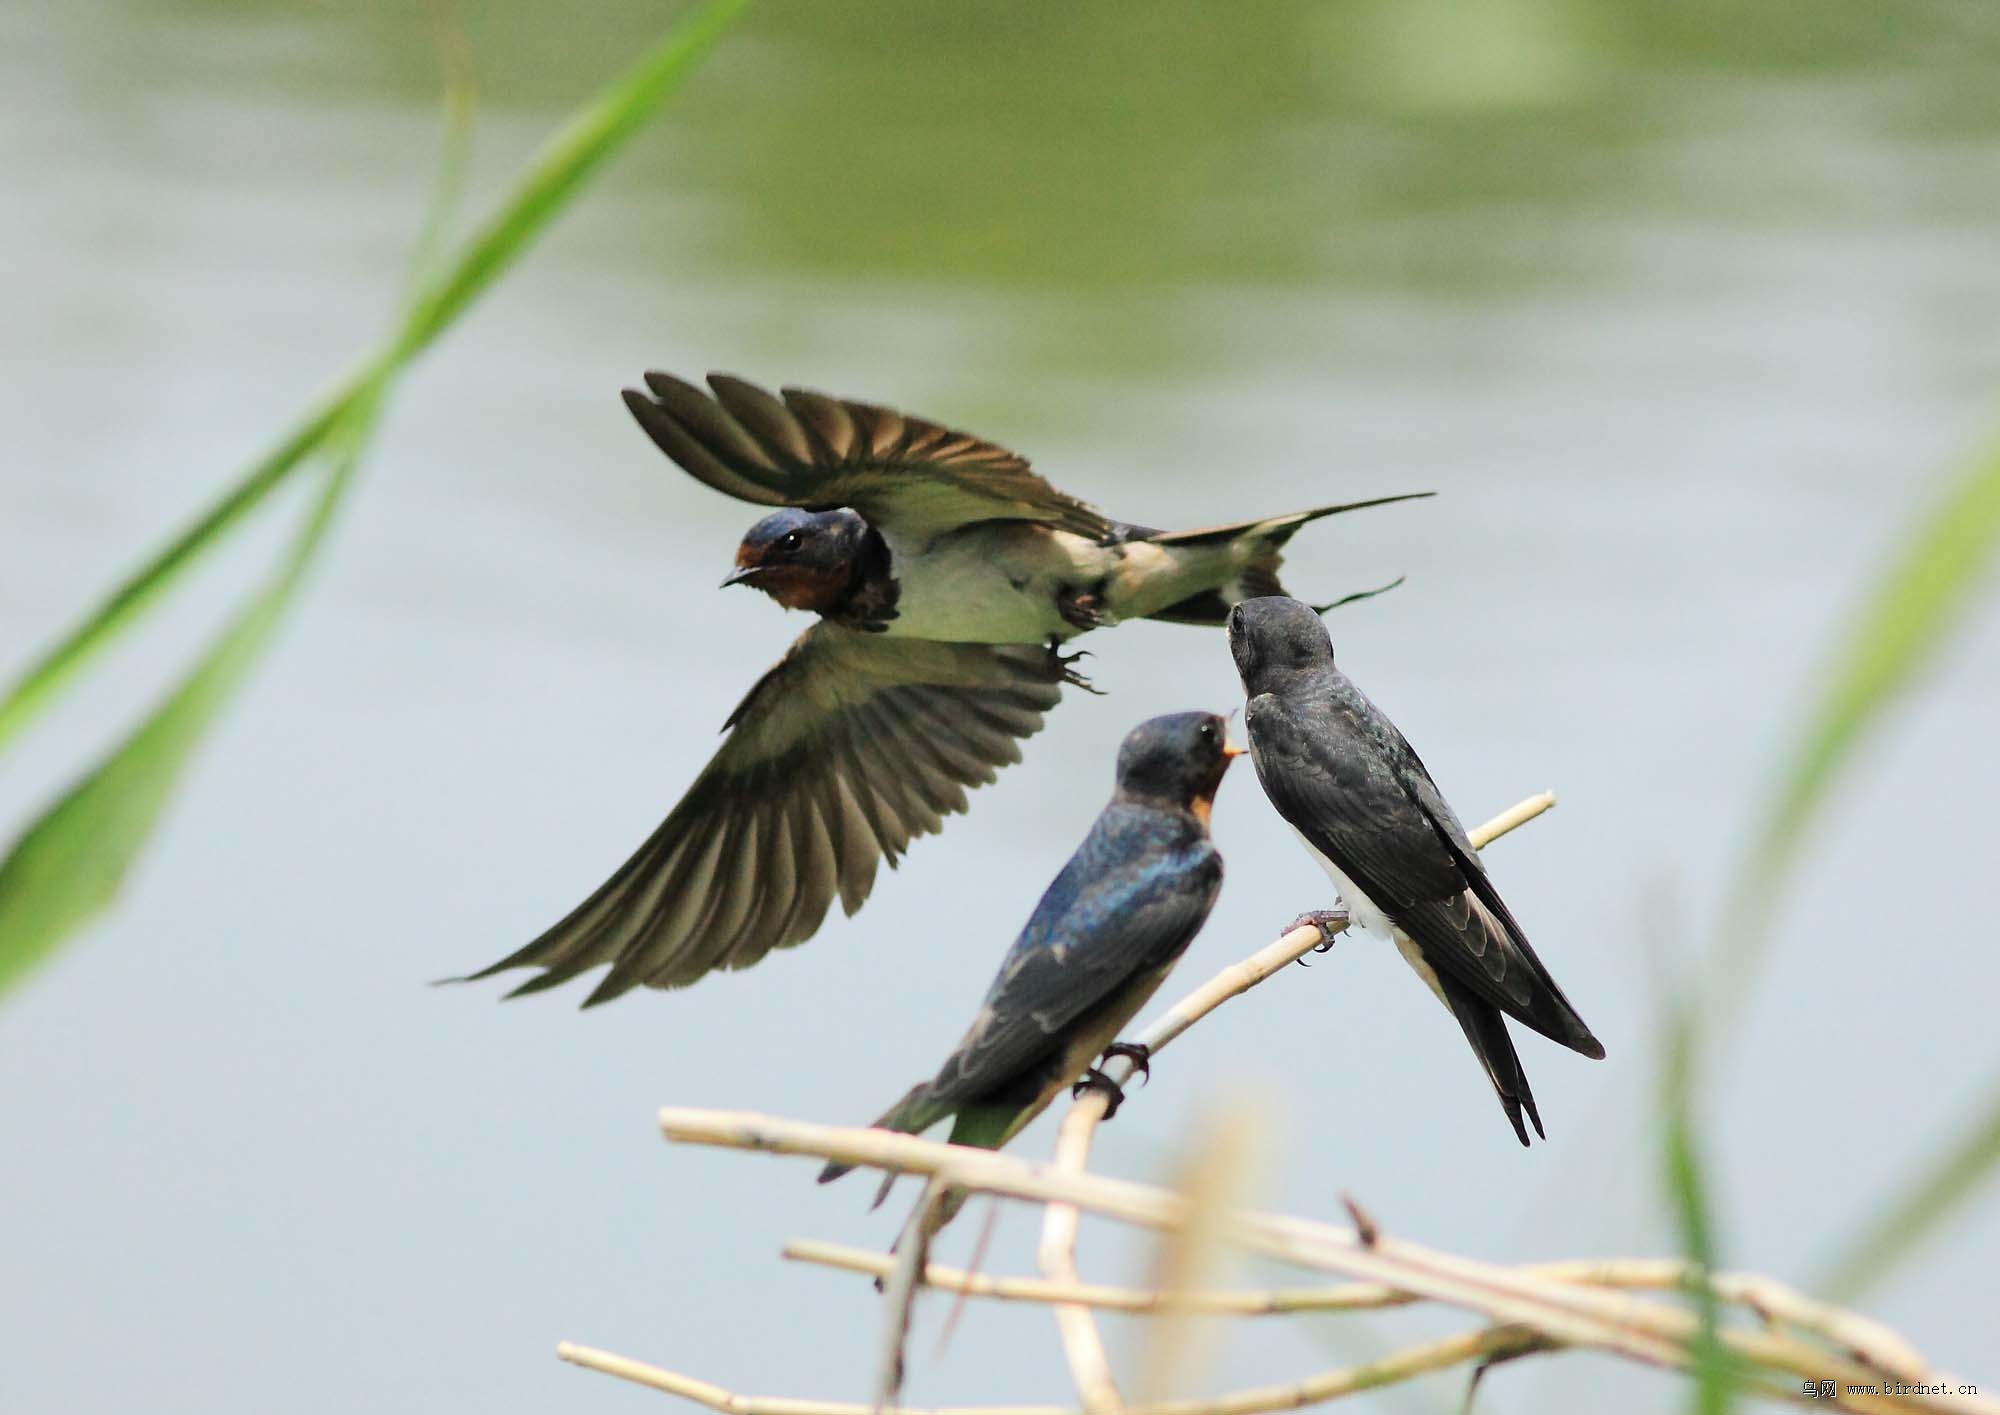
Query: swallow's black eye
[[790, 541], [1208, 732]]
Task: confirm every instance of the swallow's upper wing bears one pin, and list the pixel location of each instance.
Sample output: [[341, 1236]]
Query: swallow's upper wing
[[906, 475], [1125, 906], [1342, 774], [847, 749]]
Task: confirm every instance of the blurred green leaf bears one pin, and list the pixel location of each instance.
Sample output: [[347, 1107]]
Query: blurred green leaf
[[1906, 619], [1715, 1369], [70, 863], [1939, 1189], [576, 150], [54, 668], [1913, 608]]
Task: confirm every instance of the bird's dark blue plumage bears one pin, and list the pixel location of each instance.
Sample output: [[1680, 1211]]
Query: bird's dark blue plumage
[[1105, 934]]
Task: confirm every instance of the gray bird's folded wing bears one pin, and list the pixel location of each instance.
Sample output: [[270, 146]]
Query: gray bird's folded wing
[[1364, 800], [908, 476], [850, 747]]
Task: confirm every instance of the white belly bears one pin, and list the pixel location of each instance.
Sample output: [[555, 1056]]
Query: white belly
[[1363, 911], [996, 584]]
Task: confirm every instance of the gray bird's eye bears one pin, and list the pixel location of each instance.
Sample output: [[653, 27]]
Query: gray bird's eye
[[790, 540]]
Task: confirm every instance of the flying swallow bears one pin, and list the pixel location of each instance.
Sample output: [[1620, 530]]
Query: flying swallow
[[1104, 936], [945, 575], [1364, 805]]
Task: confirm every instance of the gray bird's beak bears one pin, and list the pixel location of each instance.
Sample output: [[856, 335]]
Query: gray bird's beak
[[739, 575]]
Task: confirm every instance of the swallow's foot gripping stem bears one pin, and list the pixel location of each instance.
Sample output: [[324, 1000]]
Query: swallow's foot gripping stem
[[1331, 923], [1138, 1053], [1095, 1080], [1062, 665]]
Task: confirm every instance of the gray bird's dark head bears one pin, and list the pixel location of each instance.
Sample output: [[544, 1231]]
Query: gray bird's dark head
[[1275, 636], [802, 559], [1176, 761]]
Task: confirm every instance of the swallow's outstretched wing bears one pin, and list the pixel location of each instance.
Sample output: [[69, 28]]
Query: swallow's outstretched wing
[[908, 476], [1117, 917], [850, 747], [1357, 792]]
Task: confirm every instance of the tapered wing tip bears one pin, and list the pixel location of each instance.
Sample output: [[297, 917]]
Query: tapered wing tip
[[1589, 1046], [610, 988], [666, 387], [719, 380], [541, 982]]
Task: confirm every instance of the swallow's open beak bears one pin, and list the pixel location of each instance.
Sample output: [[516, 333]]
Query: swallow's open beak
[[1230, 751], [739, 575]]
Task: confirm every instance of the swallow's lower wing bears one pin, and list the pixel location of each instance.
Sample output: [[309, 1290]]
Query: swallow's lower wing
[[910, 477], [850, 747], [1357, 792], [1120, 913]]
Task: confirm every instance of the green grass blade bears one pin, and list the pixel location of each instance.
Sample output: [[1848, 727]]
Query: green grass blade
[[54, 668], [1940, 1189], [1909, 615], [597, 130], [1716, 1371], [565, 161], [69, 864], [1906, 620]]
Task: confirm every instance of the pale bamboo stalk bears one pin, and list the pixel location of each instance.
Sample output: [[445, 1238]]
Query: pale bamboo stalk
[[1868, 1341], [1488, 1343], [899, 1291], [1654, 1333], [1083, 1346], [1133, 1300], [729, 1402]]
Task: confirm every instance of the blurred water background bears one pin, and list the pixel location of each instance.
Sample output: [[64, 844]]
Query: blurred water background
[[1682, 310]]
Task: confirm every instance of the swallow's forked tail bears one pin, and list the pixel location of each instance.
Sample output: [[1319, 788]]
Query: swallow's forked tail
[[1264, 541], [915, 1113], [1485, 1027]]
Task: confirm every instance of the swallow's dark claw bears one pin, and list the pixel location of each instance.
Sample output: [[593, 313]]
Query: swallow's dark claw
[[1138, 1053], [1095, 1080], [1060, 664], [1331, 923]]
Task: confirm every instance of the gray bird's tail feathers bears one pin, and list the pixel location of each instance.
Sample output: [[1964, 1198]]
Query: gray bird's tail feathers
[[912, 1115], [1485, 1027], [1260, 576]]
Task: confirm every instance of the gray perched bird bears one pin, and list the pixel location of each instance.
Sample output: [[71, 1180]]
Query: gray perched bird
[[945, 574], [1364, 805], [1103, 938]]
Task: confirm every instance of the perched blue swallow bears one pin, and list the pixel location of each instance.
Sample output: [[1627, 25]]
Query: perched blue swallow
[[945, 575], [1105, 935], [1366, 808]]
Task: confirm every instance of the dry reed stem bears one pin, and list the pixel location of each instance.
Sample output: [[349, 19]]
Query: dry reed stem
[[1866, 1340], [1486, 1344], [1652, 1332], [899, 1290]]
